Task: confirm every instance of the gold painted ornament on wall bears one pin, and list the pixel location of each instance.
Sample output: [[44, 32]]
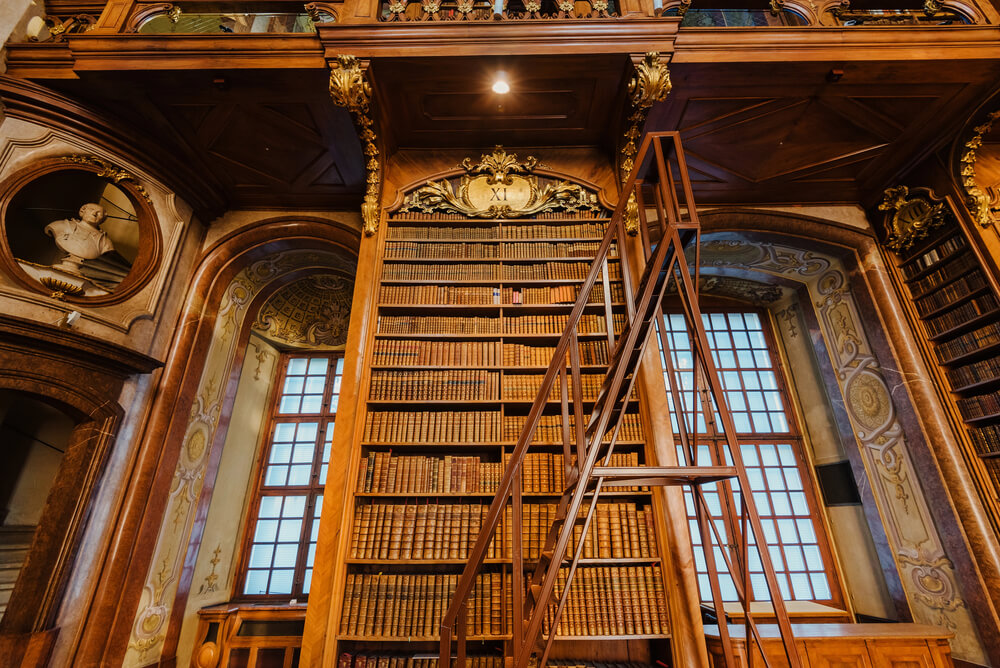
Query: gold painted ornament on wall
[[911, 218], [499, 186]]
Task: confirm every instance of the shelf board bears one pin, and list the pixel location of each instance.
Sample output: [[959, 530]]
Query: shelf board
[[951, 279], [453, 240], [490, 281], [523, 308], [442, 367], [506, 561], [450, 259], [957, 302], [489, 495], [461, 444], [977, 387], [492, 337], [983, 419], [973, 355], [937, 263], [968, 325], [409, 639]]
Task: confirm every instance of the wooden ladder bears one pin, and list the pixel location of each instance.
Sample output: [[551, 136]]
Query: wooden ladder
[[584, 451]]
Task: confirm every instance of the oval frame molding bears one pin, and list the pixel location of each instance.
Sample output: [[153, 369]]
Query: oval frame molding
[[151, 241]]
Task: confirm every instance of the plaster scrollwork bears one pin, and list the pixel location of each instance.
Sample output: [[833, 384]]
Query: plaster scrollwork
[[928, 576], [149, 627]]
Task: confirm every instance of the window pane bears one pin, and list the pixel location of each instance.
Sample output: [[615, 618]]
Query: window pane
[[757, 406], [282, 544]]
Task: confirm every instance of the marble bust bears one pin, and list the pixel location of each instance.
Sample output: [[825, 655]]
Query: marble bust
[[80, 238]]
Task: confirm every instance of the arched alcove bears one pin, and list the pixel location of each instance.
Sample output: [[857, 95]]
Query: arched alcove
[[838, 326]]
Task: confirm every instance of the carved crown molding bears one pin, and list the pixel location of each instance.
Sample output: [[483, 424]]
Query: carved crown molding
[[499, 186], [910, 219], [977, 199], [349, 88]]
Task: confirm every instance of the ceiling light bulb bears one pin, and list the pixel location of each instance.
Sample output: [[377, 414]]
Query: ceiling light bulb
[[500, 86]]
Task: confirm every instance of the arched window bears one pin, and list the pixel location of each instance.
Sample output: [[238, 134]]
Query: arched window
[[771, 445], [280, 546]]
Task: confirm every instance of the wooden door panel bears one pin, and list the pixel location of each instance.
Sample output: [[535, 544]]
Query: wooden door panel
[[838, 653]]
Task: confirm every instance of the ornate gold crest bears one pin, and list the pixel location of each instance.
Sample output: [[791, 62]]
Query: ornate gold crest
[[912, 219], [499, 186]]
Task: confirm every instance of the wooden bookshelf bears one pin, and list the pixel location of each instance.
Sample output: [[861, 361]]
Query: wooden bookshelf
[[467, 317], [960, 315]]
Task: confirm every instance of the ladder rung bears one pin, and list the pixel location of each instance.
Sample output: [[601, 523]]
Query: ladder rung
[[627, 476]]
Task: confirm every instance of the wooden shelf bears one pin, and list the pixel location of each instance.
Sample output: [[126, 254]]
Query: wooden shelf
[[957, 302], [948, 281], [442, 367], [459, 337], [973, 355], [490, 495], [968, 325], [929, 269], [409, 639], [978, 387], [984, 419], [528, 563]]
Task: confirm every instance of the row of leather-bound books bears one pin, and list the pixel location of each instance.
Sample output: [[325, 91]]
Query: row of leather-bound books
[[470, 385], [401, 250], [348, 660], [603, 601], [448, 531], [977, 372], [493, 232], [955, 267], [610, 601], [452, 385], [412, 605], [415, 352], [940, 251], [959, 315], [484, 295], [450, 426], [988, 335], [542, 473], [511, 324], [400, 270], [947, 295], [986, 439], [980, 406], [550, 428]]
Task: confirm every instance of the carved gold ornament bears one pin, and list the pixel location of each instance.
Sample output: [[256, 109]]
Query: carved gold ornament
[[650, 84], [977, 199], [350, 89], [499, 186], [912, 218], [107, 170]]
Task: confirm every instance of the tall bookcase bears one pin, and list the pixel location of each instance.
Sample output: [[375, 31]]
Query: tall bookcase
[[959, 311], [468, 314]]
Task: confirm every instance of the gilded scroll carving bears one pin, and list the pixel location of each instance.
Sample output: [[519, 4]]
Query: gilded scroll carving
[[650, 84], [911, 218], [349, 88], [499, 186], [984, 206]]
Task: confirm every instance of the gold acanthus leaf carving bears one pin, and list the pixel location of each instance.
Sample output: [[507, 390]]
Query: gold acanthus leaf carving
[[349, 88], [110, 171], [650, 84], [499, 165], [978, 201], [440, 196], [912, 218]]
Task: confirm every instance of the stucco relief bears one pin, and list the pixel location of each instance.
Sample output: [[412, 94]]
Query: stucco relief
[[312, 311], [150, 625], [928, 576], [128, 322]]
